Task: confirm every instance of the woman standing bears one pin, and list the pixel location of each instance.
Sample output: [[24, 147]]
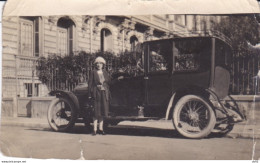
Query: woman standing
[[99, 90]]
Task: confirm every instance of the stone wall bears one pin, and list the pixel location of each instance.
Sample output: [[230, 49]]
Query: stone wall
[[35, 107], [39, 106], [7, 109]]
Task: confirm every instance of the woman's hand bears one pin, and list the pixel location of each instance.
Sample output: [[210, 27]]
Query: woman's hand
[[120, 78]]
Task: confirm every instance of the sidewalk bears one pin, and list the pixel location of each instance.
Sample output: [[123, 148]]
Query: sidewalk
[[24, 122], [241, 130]]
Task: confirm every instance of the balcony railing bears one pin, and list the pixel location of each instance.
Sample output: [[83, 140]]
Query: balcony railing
[[26, 66]]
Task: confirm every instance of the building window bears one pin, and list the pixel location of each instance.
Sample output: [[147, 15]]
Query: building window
[[65, 36], [29, 92], [62, 41], [133, 42], [179, 19], [30, 36], [106, 40]]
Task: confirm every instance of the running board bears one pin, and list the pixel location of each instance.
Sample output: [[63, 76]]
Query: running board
[[132, 118], [124, 118]]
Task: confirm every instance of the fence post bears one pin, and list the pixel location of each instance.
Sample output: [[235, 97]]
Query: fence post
[[256, 84], [248, 89], [238, 75], [233, 73], [51, 77], [243, 78], [253, 72]]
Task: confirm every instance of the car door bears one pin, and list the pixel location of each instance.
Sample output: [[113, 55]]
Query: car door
[[159, 77], [128, 92]]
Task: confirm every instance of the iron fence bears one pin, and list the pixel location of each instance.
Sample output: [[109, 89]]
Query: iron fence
[[244, 70], [60, 81], [244, 79]]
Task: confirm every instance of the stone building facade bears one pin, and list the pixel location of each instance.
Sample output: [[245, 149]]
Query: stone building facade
[[27, 38]]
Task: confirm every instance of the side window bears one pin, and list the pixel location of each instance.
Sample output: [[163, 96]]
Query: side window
[[223, 55], [191, 55], [140, 63], [157, 62], [186, 61], [160, 57]]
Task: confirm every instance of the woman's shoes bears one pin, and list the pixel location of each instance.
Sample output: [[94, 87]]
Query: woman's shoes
[[101, 132], [94, 133]]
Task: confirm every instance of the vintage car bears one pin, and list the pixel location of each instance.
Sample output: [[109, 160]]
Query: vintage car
[[183, 79]]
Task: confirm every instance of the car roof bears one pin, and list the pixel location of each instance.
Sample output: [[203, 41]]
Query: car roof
[[222, 38]]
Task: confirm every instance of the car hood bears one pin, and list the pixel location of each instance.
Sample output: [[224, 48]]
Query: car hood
[[81, 88]]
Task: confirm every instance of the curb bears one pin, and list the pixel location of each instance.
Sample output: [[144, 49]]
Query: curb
[[25, 124], [243, 135]]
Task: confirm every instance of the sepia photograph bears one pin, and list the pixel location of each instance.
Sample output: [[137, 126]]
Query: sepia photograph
[[130, 87]]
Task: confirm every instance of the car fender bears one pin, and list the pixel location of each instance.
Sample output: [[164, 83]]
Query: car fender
[[68, 95], [169, 106], [195, 90]]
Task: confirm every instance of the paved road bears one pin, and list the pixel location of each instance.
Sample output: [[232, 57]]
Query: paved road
[[122, 142]]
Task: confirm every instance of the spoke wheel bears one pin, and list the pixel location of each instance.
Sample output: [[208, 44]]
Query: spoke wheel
[[193, 117], [61, 115]]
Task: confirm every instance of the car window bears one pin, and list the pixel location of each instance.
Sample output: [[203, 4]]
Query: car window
[[191, 55], [223, 54], [160, 55], [139, 63]]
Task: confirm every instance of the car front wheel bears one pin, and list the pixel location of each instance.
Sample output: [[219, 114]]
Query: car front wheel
[[193, 117], [61, 115]]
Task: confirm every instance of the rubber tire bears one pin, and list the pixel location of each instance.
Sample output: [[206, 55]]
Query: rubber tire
[[205, 132], [72, 121]]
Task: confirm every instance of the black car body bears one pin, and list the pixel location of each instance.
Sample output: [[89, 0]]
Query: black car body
[[171, 76]]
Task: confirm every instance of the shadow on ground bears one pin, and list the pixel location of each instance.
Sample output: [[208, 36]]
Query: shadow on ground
[[125, 130]]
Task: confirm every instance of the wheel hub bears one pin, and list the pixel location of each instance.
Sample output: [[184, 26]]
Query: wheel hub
[[194, 116]]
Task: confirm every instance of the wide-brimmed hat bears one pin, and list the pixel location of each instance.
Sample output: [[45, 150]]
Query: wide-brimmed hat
[[100, 59]]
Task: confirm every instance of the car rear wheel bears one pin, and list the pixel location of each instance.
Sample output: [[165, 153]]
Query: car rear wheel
[[61, 115], [193, 117]]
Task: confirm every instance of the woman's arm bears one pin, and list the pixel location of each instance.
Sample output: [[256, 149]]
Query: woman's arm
[[107, 77]]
